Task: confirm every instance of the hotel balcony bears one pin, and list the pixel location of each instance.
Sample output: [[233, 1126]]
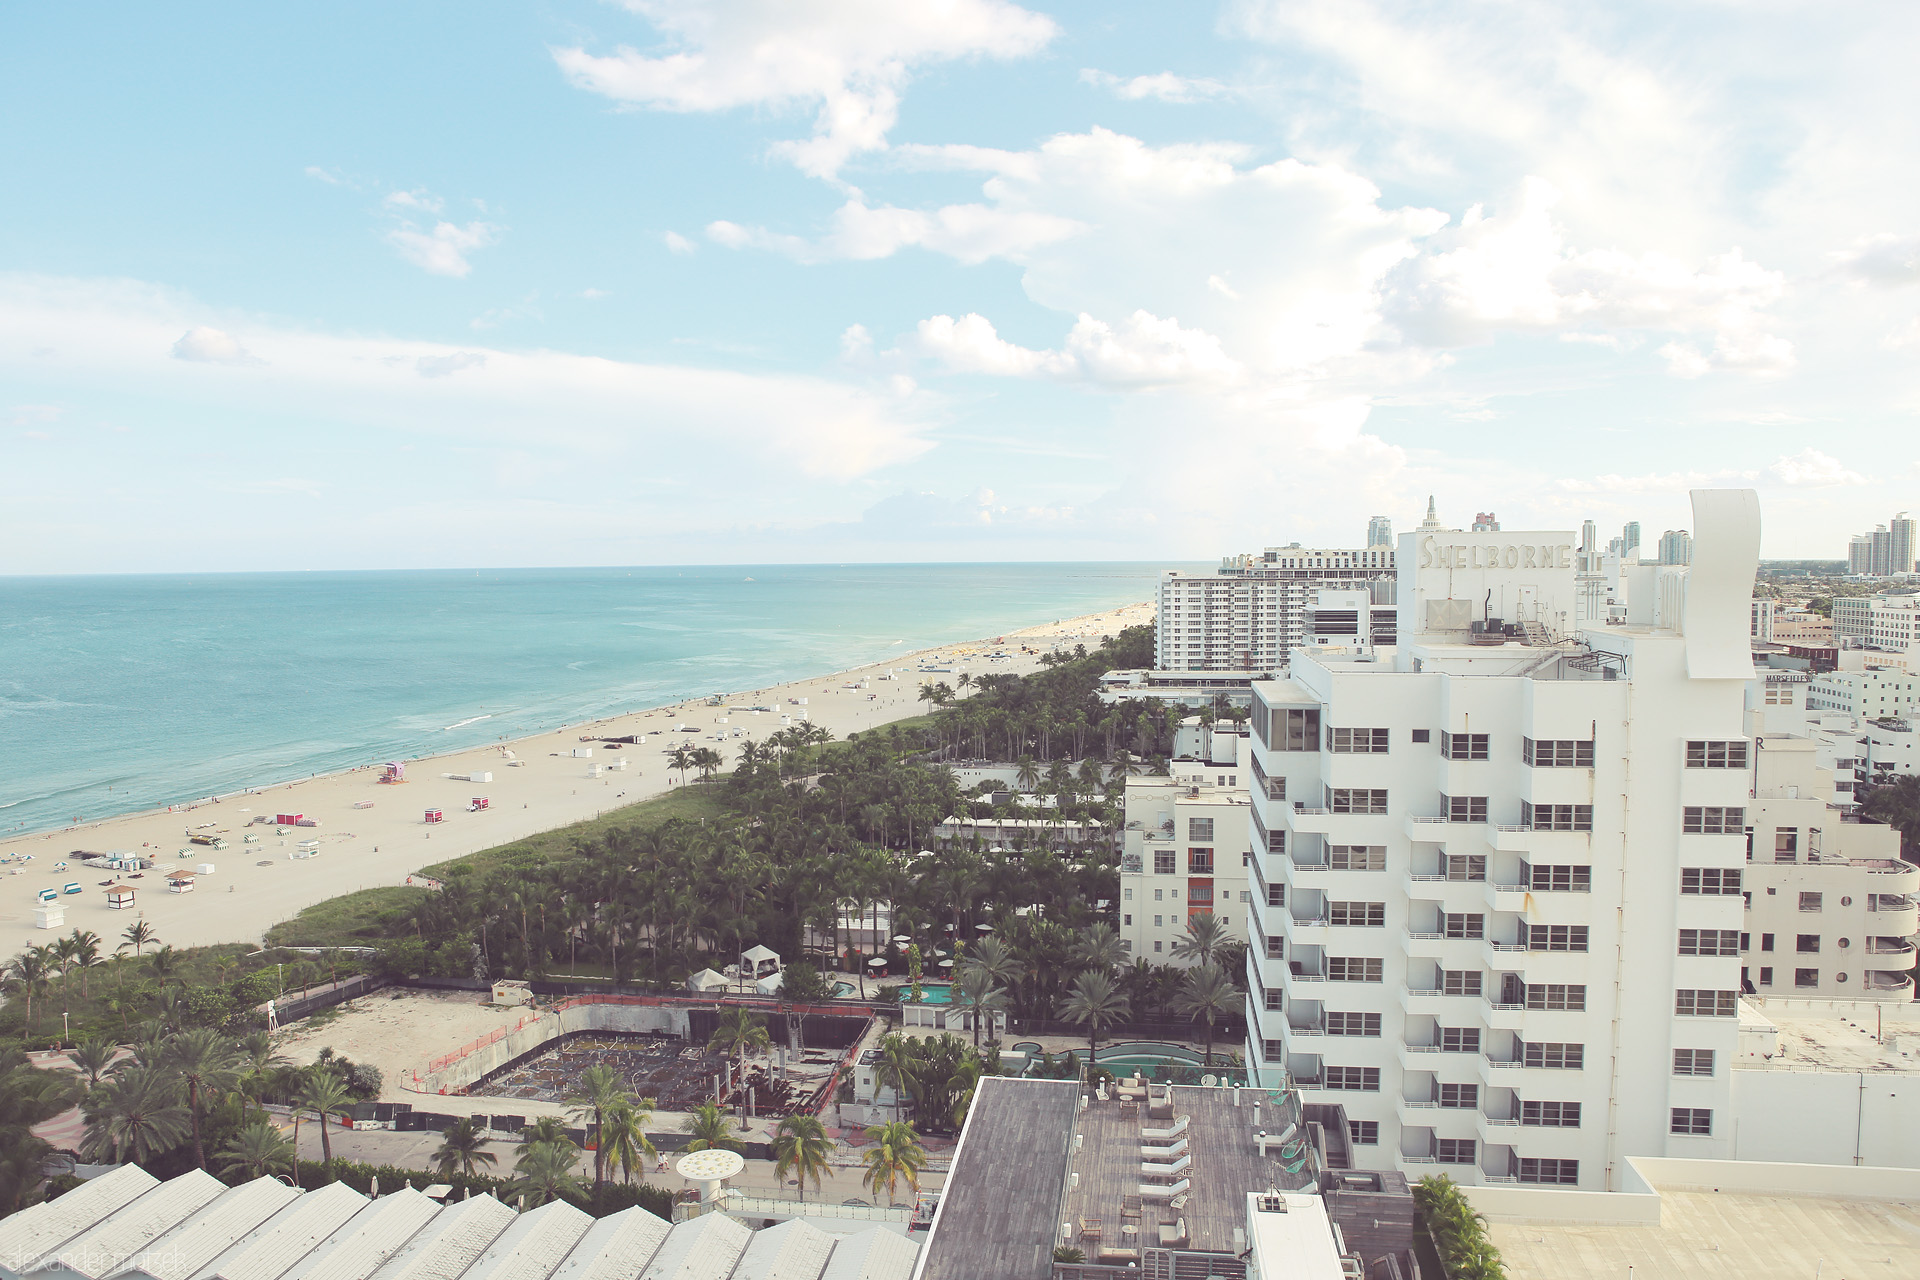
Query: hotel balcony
[[1506, 897], [1890, 875], [1438, 1003], [1891, 915], [1548, 846], [1880, 981], [1307, 930], [1505, 1017], [1538, 966], [1445, 1122], [1304, 980], [1307, 821], [1452, 953], [1450, 894], [1526, 1081], [1440, 829]]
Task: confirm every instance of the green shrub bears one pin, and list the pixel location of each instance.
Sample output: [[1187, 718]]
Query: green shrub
[[1459, 1233]]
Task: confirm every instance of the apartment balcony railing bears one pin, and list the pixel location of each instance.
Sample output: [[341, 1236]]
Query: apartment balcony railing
[[1892, 947], [1888, 981]]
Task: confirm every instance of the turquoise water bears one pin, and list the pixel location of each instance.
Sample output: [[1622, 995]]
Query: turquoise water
[[125, 693], [931, 993], [1150, 1056]]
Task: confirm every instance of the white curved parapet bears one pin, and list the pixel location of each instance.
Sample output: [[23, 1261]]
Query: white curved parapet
[[1726, 554]]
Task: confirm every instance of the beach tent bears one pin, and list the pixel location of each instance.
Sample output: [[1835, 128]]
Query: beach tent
[[770, 985], [759, 960], [706, 980]]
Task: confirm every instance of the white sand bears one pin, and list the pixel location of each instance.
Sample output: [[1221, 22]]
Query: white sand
[[255, 886]]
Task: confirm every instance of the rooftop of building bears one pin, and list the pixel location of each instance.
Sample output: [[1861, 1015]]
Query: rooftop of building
[[1722, 1233], [1820, 1036]]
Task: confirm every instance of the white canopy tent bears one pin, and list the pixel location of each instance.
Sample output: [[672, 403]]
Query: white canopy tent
[[707, 980], [770, 985], [759, 961]]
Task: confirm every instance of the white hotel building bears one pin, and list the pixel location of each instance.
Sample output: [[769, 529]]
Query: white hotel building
[[1498, 873]]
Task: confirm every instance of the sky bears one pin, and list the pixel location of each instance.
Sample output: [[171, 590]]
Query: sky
[[411, 284]]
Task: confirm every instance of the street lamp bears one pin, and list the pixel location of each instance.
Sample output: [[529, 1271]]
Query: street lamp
[[65, 1028]]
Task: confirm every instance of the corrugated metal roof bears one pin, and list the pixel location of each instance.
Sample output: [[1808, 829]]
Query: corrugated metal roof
[[531, 1248], [794, 1250], [377, 1232], [616, 1247], [106, 1248], [448, 1245], [34, 1235], [198, 1240], [704, 1248], [878, 1254], [288, 1236]]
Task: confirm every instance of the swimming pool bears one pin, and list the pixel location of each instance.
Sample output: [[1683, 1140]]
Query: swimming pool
[[841, 989], [1158, 1060], [930, 992]]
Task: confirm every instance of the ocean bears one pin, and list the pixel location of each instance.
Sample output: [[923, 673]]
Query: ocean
[[120, 694]]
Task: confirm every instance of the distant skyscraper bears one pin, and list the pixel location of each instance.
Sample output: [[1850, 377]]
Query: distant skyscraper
[[1486, 522], [1380, 532], [1901, 548], [1676, 547], [1630, 538], [1433, 519], [1589, 536], [1860, 554]]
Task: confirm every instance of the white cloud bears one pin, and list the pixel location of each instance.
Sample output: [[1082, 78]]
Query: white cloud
[[968, 232], [679, 243], [1664, 482], [27, 415], [1143, 350], [327, 176], [856, 344], [1907, 336], [443, 251], [1885, 259], [418, 199], [447, 365], [848, 59], [206, 345], [595, 294], [1164, 86], [1811, 468], [1759, 354]]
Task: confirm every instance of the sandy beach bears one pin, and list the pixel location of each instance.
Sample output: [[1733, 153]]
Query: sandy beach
[[372, 834]]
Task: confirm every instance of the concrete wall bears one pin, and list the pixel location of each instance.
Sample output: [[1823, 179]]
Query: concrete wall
[[540, 1030], [1827, 1118], [1643, 1177]]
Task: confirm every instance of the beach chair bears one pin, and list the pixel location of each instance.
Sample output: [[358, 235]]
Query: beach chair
[[1090, 1229]]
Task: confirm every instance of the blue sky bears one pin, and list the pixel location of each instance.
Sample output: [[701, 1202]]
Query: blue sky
[[418, 284]]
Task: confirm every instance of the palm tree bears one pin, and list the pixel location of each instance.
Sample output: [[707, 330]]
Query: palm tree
[[801, 1143], [1098, 948], [164, 965], [975, 991], [1095, 1002], [1027, 773], [260, 1065], [895, 1156], [994, 957], [463, 1149], [205, 1062], [544, 1129], [137, 935], [28, 973], [710, 1129], [86, 957], [93, 1057], [896, 1067], [681, 758], [258, 1151], [740, 1032], [545, 1172], [323, 1094], [1206, 934], [624, 1137], [135, 1115], [1208, 993], [1898, 805], [597, 1093]]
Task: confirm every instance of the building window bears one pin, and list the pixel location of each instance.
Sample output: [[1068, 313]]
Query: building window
[[1766, 942], [1695, 1122], [1463, 746], [1453, 1150], [1557, 937], [1460, 1039], [1460, 982], [1199, 828], [1353, 1024], [1423, 735], [1275, 1000], [1365, 742], [1465, 866], [1126, 921], [1556, 817], [1464, 1096], [1276, 948], [1156, 946], [1276, 895], [1568, 1057], [1806, 943], [1463, 924], [1560, 1173], [1356, 800], [1712, 820], [1370, 915], [1361, 1079], [1357, 857], [1465, 808], [1557, 995], [1690, 1003], [1693, 1062], [1273, 1050], [1200, 893], [1766, 975], [1364, 1133], [1159, 895], [1710, 880], [1127, 894], [1786, 845], [1716, 755], [1287, 728], [1159, 922], [1811, 901], [1551, 1115], [1164, 862], [1199, 862], [1709, 942], [1557, 879], [1806, 977], [1353, 969], [1557, 753]]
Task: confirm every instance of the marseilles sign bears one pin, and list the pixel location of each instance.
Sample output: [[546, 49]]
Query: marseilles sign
[[1495, 555]]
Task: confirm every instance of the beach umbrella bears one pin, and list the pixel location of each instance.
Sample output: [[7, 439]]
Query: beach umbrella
[[877, 962], [946, 964]]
